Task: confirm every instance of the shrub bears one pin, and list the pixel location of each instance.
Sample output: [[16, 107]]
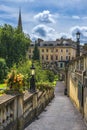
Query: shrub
[[44, 86], [15, 81]]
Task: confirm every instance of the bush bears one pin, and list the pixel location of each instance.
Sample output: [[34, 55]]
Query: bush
[[50, 75], [42, 77], [15, 81], [44, 86]]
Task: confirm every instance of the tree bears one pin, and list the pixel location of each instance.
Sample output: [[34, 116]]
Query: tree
[[3, 69], [13, 45], [36, 54]]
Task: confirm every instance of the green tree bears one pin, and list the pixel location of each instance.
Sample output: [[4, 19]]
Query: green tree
[[36, 54], [3, 70], [13, 45]]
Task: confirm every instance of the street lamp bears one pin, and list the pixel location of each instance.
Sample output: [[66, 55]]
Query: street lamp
[[78, 36], [32, 79], [78, 44]]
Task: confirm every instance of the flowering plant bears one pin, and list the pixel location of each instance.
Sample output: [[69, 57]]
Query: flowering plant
[[15, 81]]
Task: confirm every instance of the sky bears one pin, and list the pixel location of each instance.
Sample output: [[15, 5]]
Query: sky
[[47, 19]]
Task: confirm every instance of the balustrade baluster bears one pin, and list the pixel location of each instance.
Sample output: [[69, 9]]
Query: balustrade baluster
[[1, 119]]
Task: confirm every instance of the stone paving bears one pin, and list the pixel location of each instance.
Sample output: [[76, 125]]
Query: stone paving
[[60, 114]]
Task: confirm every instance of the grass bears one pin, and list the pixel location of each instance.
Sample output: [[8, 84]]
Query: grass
[[2, 86]]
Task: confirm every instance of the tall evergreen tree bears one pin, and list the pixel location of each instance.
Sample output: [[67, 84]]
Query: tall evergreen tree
[[36, 54]]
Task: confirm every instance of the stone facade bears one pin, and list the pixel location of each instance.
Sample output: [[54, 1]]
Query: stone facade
[[58, 51]]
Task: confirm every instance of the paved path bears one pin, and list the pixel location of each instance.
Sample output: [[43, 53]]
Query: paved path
[[60, 114]]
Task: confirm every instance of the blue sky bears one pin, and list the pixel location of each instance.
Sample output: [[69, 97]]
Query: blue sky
[[47, 19]]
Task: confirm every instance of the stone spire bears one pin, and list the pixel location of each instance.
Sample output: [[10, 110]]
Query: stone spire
[[20, 21]]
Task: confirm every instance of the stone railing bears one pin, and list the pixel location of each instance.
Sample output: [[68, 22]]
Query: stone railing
[[18, 110], [11, 110], [35, 103], [79, 76], [78, 71]]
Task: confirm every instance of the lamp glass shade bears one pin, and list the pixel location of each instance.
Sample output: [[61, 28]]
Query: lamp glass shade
[[32, 71], [78, 35]]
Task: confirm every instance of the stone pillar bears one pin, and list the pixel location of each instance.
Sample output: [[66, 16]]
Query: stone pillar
[[79, 64], [35, 100], [4, 115], [35, 104], [20, 119], [1, 119], [15, 108], [43, 100]]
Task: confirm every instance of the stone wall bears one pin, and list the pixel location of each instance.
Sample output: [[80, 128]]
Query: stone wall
[[77, 83], [85, 98], [16, 111]]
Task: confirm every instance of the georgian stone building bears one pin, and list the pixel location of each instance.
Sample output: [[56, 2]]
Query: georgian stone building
[[58, 51]]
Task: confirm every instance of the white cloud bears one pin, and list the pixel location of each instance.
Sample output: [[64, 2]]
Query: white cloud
[[64, 35], [63, 13], [12, 14], [47, 33], [7, 9], [45, 17], [44, 32], [82, 30], [75, 17]]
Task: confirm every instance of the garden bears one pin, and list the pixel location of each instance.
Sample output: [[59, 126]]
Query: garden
[[17, 78], [15, 68]]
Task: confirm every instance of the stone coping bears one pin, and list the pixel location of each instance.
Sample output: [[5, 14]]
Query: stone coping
[[27, 95], [6, 98]]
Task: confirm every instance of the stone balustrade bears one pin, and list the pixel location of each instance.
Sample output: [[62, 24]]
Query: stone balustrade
[[7, 110], [19, 109]]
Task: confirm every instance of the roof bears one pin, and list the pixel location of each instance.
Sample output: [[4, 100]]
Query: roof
[[59, 42]]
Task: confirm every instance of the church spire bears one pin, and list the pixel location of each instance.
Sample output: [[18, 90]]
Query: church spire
[[20, 21]]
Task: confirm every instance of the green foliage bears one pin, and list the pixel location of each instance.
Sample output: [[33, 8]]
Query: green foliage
[[50, 75], [46, 77], [36, 55], [13, 45], [44, 86], [43, 77], [24, 69], [3, 70], [2, 86], [15, 81], [1, 92]]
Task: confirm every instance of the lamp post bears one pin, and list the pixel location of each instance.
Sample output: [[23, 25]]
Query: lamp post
[[66, 76], [32, 79], [78, 44]]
